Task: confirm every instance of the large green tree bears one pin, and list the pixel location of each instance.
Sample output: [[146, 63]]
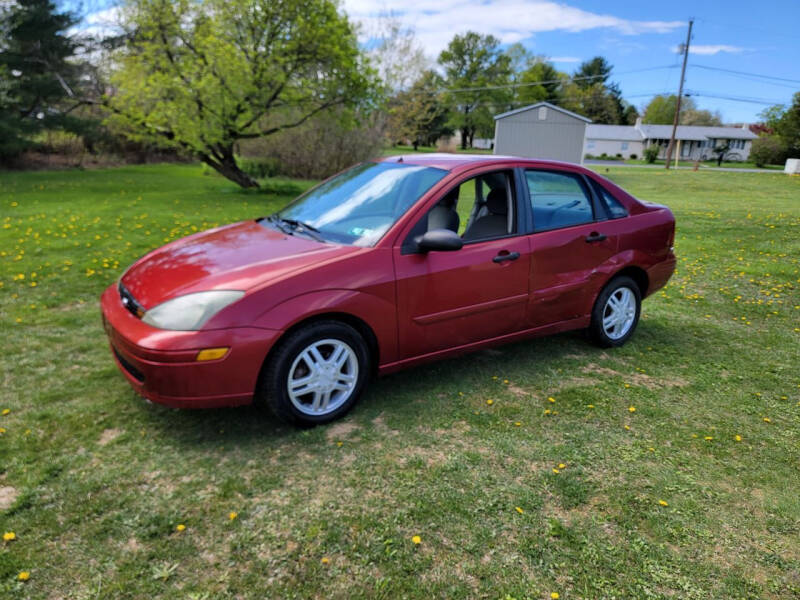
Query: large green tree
[[38, 73], [201, 75], [475, 71], [661, 110], [589, 93], [419, 114], [785, 124]]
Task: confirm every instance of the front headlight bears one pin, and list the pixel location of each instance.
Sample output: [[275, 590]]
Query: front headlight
[[190, 312]]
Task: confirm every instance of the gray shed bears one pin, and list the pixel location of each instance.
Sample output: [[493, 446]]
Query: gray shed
[[541, 130]]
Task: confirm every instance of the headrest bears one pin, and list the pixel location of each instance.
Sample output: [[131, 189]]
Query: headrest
[[497, 202]]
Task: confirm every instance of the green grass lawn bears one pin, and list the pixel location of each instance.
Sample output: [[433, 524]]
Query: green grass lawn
[[395, 150], [706, 164], [664, 469]]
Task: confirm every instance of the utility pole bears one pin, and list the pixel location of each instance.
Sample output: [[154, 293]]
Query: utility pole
[[680, 94]]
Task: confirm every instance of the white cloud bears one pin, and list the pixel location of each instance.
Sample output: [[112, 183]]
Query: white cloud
[[711, 49], [564, 59], [436, 21]]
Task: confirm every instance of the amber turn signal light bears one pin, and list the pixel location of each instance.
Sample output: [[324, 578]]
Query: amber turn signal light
[[211, 353]]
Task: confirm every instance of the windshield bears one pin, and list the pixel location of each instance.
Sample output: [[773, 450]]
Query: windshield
[[360, 205]]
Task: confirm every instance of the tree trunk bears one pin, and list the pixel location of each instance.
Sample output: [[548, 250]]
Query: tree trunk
[[226, 166], [464, 135]]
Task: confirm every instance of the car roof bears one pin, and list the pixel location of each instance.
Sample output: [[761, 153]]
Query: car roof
[[461, 162]]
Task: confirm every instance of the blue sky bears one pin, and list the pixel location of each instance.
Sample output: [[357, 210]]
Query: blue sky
[[760, 38]]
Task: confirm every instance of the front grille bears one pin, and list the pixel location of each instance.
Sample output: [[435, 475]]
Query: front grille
[[135, 373], [129, 302]]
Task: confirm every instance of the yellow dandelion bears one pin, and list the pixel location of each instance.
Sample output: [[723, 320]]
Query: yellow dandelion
[[590, 406], [24, 576], [2, 430], [416, 540], [232, 515], [627, 385], [556, 471], [562, 466], [6, 411], [517, 424], [551, 399], [651, 449], [339, 444], [767, 420], [547, 411], [505, 381], [519, 510], [325, 560], [180, 527], [9, 536], [708, 438], [554, 595], [631, 409], [495, 377], [737, 437], [490, 402], [663, 503], [627, 427]]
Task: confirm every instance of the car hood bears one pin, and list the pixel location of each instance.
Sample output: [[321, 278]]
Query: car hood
[[235, 257]]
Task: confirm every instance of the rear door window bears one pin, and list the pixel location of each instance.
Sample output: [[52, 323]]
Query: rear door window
[[558, 200]]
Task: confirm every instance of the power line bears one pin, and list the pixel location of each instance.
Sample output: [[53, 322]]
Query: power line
[[733, 98], [746, 73], [543, 82]]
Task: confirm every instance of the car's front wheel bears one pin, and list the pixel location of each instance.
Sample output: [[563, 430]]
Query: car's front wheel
[[616, 312], [316, 374]]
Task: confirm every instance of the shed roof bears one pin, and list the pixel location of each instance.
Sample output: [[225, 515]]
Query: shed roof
[[539, 104]]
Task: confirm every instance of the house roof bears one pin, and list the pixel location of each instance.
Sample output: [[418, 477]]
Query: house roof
[[696, 133], [613, 132], [539, 104]]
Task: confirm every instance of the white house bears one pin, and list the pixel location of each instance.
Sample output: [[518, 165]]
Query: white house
[[692, 142]]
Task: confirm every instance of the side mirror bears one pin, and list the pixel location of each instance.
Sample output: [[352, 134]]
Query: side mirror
[[443, 240]]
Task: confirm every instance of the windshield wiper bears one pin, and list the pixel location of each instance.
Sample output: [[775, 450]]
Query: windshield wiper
[[302, 227]]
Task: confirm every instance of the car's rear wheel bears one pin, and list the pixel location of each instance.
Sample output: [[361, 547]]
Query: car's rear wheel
[[616, 312], [316, 374]]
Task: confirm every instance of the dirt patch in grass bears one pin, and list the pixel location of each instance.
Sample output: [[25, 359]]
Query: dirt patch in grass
[[8, 495], [340, 431], [108, 435], [639, 379]]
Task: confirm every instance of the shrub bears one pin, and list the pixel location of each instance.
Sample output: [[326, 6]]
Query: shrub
[[259, 168], [317, 149], [634, 156], [651, 154], [768, 150], [619, 155]]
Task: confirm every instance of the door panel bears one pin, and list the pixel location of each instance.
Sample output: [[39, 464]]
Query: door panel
[[564, 270], [447, 299]]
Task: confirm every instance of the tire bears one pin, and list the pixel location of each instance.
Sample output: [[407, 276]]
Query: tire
[[607, 329], [316, 374]]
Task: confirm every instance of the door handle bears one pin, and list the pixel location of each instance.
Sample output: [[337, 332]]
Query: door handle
[[595, 237], [505, 255]]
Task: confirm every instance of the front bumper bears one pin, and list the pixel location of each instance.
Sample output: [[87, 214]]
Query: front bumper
[[160, 365]]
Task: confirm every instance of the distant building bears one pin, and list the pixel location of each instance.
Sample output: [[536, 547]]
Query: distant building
[[541, 130], [692, 142]]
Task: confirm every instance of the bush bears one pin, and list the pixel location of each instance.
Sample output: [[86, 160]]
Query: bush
[[618, 155], [651, 154], [634, 156], [768, 150], [317, 149], [259, 168]]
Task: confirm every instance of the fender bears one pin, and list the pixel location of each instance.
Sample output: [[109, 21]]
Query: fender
[[379, 314]]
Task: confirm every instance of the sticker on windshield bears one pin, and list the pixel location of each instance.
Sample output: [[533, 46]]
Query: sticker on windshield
[[360, 231]]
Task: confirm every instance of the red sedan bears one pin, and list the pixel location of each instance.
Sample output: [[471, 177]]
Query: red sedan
[[387, 265]]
